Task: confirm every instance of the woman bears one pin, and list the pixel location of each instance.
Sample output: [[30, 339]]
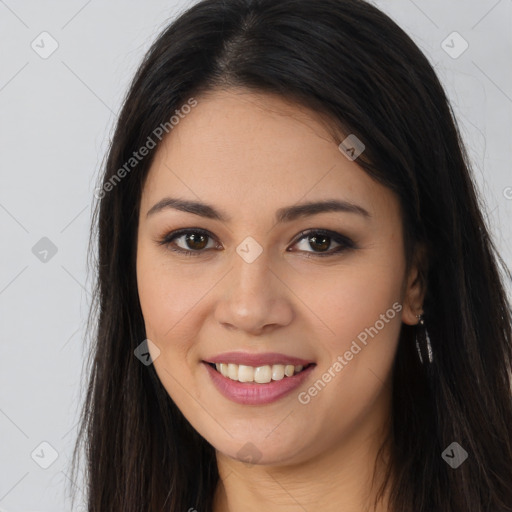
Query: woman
[[300, 306]]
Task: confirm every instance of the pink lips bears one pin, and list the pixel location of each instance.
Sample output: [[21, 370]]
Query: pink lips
[[251, 393]]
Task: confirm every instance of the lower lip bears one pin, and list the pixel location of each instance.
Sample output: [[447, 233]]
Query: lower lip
[[251, 393]]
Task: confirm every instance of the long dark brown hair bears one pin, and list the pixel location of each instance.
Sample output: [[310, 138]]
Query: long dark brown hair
[[348, 60]]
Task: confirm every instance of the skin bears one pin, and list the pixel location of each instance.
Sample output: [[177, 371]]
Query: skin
[[249, 154]]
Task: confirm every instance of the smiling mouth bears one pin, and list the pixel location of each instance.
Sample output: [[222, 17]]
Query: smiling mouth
[[260, 374]]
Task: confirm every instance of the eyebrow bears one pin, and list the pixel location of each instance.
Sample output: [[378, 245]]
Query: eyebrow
[[286, 214]]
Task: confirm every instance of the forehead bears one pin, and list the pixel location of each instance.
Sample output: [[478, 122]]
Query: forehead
[[250, 152]]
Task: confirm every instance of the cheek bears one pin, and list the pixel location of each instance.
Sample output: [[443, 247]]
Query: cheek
[[167, 297], [348, 299], [165, 302], [361, 306]]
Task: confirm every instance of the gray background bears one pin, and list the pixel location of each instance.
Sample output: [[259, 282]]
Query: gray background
[[57, 114]]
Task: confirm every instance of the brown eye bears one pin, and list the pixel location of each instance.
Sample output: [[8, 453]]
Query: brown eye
[[320, 241], [191, 242], [196, 241]]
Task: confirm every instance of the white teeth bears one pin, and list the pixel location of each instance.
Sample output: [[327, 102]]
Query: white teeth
[[289, 370], [245, 373], [260, 374], [277, 372], [233, 371], [263, 374]]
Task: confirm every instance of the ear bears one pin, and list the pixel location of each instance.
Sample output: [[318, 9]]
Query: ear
[[415, 287]]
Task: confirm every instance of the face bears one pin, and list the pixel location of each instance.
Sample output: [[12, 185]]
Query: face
[[260, 283]]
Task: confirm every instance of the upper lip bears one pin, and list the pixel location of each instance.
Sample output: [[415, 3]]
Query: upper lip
[[251, 359]]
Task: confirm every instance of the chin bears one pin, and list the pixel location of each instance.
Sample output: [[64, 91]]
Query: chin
[[260, 452]]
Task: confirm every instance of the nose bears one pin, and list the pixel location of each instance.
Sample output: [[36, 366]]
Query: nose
[[254, 297]]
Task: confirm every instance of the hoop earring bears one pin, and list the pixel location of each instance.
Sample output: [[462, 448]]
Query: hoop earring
[[423, 341]]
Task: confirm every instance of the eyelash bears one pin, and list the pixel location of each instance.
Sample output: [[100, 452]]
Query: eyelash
[[345, 242]]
